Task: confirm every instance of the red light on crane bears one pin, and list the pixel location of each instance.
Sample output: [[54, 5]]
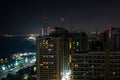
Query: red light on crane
[[44, 17], [110, 29]]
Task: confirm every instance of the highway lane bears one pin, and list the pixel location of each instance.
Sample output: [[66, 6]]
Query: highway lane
[[14, 70]]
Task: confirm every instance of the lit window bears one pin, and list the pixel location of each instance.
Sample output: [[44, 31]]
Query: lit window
[[77, 43], [46, 63], [76, 65], [43, 41], [92, 66], [51, 56], [51, 45], [1, 59], [70, 45], [49, 49], [46, 67], [113, 73], [73, 47], [77, 49], [52, 62], [43, 56], [41, 64], [46, 42]]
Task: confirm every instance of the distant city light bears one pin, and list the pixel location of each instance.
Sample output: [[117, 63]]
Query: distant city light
[[32, 38]]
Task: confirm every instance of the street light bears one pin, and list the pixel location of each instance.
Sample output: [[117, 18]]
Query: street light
[[3, 68]]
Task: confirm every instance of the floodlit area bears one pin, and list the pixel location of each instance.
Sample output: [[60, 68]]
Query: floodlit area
[[31, 38], [66, 75]]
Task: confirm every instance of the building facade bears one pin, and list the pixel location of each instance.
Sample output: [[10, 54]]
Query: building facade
[[88, 66], [53, 55], [49, 58], [66, 56], [96, 66], [113, 35]]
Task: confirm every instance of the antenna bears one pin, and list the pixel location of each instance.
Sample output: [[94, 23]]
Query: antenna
[[61, 22], [71, 27], [97, 29], [44, 27]]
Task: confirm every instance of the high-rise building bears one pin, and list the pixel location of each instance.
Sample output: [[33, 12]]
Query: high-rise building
[[66, 56], [52, 56], [44, 29], [96, 65], [95, 41], [114, 65], [113, 35], [88, 66], [78, 42], [49, 58], [112, 49]]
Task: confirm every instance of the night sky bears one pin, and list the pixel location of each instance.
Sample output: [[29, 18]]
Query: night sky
[[24, 16]]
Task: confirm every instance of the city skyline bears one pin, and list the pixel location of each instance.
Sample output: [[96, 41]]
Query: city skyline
[[62, 55], [23, 17]]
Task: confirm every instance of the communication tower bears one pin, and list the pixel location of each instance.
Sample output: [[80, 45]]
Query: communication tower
[[44, 30]]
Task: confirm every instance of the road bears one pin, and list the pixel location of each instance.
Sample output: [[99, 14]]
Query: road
[[14, 70]]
